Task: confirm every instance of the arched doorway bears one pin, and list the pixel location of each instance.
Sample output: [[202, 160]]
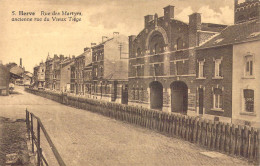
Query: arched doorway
[[179, 97], [156, 95]]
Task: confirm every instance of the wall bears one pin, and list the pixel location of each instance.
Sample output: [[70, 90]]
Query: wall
[[240, 83], [210, 82]]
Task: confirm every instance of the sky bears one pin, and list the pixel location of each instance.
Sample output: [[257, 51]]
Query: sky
[[32, 41]]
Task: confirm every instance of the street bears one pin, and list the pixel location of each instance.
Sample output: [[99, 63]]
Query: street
[[84, 138]]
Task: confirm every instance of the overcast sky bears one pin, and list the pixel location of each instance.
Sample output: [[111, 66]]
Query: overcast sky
[[33, 40]]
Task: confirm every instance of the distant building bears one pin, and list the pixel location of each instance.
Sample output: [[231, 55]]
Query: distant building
[[4, 80], [162, 62], [110, 69], [65, 74], [56, 72], [79, 64], [48, 72], [87, 71], [39, 76]]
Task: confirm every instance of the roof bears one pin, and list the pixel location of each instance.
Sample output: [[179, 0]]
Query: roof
[[17, 70], [243, 32], [117, 75], [102, 43]]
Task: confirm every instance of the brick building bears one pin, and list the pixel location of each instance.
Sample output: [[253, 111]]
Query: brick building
[[39, 76], [4, 80], [87, 71], [65, 74], [79, 64], [48, 72], [56, 72], [162, 61], [220, 69], [109, 69]]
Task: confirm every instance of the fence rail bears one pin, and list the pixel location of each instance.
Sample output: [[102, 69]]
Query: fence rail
[[36, 140], [235, 140]]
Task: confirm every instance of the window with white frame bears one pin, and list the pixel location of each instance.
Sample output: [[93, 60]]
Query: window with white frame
[[218, 68], [248, 100], [217, 98], [201, 69], [249, 65]]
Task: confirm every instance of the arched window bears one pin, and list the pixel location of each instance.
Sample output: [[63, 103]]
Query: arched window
[[156, 44]]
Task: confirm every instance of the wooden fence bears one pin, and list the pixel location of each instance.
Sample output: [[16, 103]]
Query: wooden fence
[[235, 140]]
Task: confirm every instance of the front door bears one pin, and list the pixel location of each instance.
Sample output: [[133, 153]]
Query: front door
[[201, 101], [177, 101]]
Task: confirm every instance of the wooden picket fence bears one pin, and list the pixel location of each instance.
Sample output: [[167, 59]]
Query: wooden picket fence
[[235, 140]]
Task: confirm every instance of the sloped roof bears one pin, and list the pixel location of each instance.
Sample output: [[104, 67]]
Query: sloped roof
[[117, 75], [243, 32], [17, 70]]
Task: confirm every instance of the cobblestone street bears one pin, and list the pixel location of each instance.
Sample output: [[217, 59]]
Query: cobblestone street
[[84, 138]]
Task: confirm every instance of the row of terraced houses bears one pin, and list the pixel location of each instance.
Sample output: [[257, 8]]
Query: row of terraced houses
[[198, 69]]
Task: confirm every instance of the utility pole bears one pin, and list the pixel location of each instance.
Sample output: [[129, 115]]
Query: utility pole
[[120, 47]]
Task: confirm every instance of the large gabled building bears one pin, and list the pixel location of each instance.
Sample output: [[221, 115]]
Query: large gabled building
[[162, 61]]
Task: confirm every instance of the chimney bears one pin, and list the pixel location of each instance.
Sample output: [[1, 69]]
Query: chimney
[[61, 57], [86, 48], [104, 38], [115, 34], [21, 62], [195, 21], [93, 44], [168, 12], [194, 26], [147, 19], [131, 51]]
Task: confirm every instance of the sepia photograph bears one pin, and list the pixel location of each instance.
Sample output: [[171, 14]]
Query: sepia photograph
[[129, 83]]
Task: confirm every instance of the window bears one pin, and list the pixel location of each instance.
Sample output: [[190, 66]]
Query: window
[[218, 69], [249, 100], [201, 69], [249, 65], [139, 52], [179, 43], [217, 98]]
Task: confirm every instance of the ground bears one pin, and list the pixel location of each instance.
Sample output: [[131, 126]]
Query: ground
[[13, 142], [85, 138]]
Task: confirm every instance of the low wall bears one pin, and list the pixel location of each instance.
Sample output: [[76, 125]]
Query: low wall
[[235, 140]]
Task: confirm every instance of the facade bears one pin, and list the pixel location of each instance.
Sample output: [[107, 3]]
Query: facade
[[48, 72], [226, 84], [39, 76], [246, 11], [162, 67], [65, 74], [4, 80], [56, 72], [246, 81], [110, 69], [87, 72], [79, 67]]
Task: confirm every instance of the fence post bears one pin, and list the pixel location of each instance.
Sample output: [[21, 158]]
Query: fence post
[[39, 144], [32, 132]]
